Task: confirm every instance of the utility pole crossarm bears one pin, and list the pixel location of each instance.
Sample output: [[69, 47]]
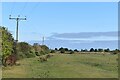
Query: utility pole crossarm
[[13, 18], [22, 19]]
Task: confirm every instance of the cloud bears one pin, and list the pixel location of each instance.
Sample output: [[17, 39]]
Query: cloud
[[36, 33], [85, 34]]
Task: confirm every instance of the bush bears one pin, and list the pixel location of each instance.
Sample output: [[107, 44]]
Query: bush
[[40, 49], [36, 47], [71, 52], [48, 56], [62, 51], [37, 53], [114, 52], [96, 64], [24, 47], [30, 55], [25, 50], [52, 51], [7, 42], [20, 55], [43, 58], [44, 47], [42, 53]]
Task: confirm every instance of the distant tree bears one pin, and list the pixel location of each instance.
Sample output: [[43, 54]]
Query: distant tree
[[70, 50], [52, 51], [85, 50], [107, 50], [76, 50], [100, 50], [56, 49], [82, 50], [91, 50], [95, 50], [116, 51], [66, 49], [61, 48]]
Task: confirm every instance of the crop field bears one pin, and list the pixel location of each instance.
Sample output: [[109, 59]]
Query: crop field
[[65, 66]]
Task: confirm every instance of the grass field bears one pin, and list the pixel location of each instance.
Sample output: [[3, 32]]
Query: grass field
[[66, 66]]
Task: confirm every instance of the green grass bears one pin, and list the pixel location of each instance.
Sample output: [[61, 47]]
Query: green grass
[[66, 66]]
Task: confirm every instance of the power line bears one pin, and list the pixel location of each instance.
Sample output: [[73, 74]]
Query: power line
[[12, 7], [34, 7], [24, 7], [22, 10]]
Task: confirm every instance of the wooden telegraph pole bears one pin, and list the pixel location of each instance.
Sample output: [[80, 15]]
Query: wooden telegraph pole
[[17, 19]]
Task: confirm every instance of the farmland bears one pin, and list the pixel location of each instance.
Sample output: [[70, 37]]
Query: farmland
[[59, 40], [65, 66]]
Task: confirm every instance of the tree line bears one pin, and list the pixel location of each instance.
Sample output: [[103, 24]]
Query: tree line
[[70, 51], [12, 51]]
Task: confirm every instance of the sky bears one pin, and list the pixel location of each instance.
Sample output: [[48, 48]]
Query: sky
[[64, 24], [59, 0]]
